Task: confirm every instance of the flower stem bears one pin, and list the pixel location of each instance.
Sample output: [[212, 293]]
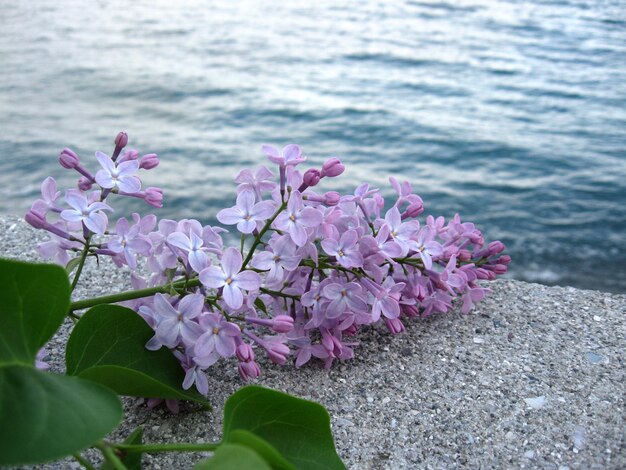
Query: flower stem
[[258, 238], [81, 263], [179, 447], [83, 461], [133, 294], [110, 456]]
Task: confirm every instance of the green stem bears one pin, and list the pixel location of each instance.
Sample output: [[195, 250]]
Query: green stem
[[110, 456], [279, 294], [83, 461], [257, 239], [81, 263], [182, 447], [133, 294]]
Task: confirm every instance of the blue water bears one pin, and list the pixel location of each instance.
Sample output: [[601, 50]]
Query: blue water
[[511, 113]]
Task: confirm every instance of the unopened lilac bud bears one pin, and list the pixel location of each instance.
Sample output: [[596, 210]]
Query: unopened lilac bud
[[394, 325], [332, 167], [504, 259], [332, 198], [413, 210], [244, 352], [464, 255], [121, 140], [482, 273], [68, 159], [278, 352], [282, 324], [499, 269], [249, 370], [35, 219], [149, 161], [311, 177], [410, 311], [154, 197], [84, 184], [496, 247], [352, 330]]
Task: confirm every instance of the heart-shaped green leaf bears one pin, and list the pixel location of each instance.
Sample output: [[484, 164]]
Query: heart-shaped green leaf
[[298, 429], [45, 416], [233, 457], [107, 346], [34, 300], [261, 447]]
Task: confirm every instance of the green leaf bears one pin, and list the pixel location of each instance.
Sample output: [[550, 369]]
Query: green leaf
[[260, 305], [131, 460], [233, 457], [34, 300], [45, 416], [261, 447], [107, 346], [298, 429]]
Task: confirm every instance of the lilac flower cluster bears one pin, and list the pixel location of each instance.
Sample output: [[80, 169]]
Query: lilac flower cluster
[[312, 268]]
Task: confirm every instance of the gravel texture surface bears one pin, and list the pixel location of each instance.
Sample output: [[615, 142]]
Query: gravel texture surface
[[532, 378]]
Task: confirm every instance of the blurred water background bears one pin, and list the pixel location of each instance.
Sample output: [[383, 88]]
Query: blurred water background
[[511, 113]]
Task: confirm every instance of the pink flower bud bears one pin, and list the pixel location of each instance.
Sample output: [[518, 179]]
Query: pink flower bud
[[244, 352], [311, 177], [282, 324], [504, 259], [149, 161], [413, 210], [68, 159], [277, 352], [496, 247], [121, 140], [482, 273], [499, 269], [332, 167], [331, 198], [464, 255], [85, 184], [394, 325], [410, 311], [154, 197], [249, 370]]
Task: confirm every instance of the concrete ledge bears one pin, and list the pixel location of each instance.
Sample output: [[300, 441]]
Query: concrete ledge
[[533, 378]]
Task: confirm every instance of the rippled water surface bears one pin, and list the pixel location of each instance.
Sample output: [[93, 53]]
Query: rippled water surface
[[510, 113]]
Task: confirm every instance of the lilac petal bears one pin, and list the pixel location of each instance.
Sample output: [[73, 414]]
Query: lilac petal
[[225, 346], [190, 378], [127, 168], [391, 249], [270, 151], [262, 210], [104, 179], [434, 248], [298, 234], [198, 260], [232, 296], [244, 176], [205, 344], [282, 221], [191, 305], [212, 277], [229, 329], [167, 331], [129, 184], [303, 356], [202, 383], [291, 152], [76, 200], [335, 308], [106, 162], [356, 304], [99, 206], [245, 201], [246, 226], [71, 215], [310, 217], [392, 218], [208, 360], [352, 259], [390, 307], [96, 222], [154, 344], [349, 239], [247, 280], [263, 260], [230, 216], [333, 291], [179, 240], [330, 246], [190, 332], [262, 173], [426, 259], [49, 189], [231, 261], [163, 308], [290, 262]]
